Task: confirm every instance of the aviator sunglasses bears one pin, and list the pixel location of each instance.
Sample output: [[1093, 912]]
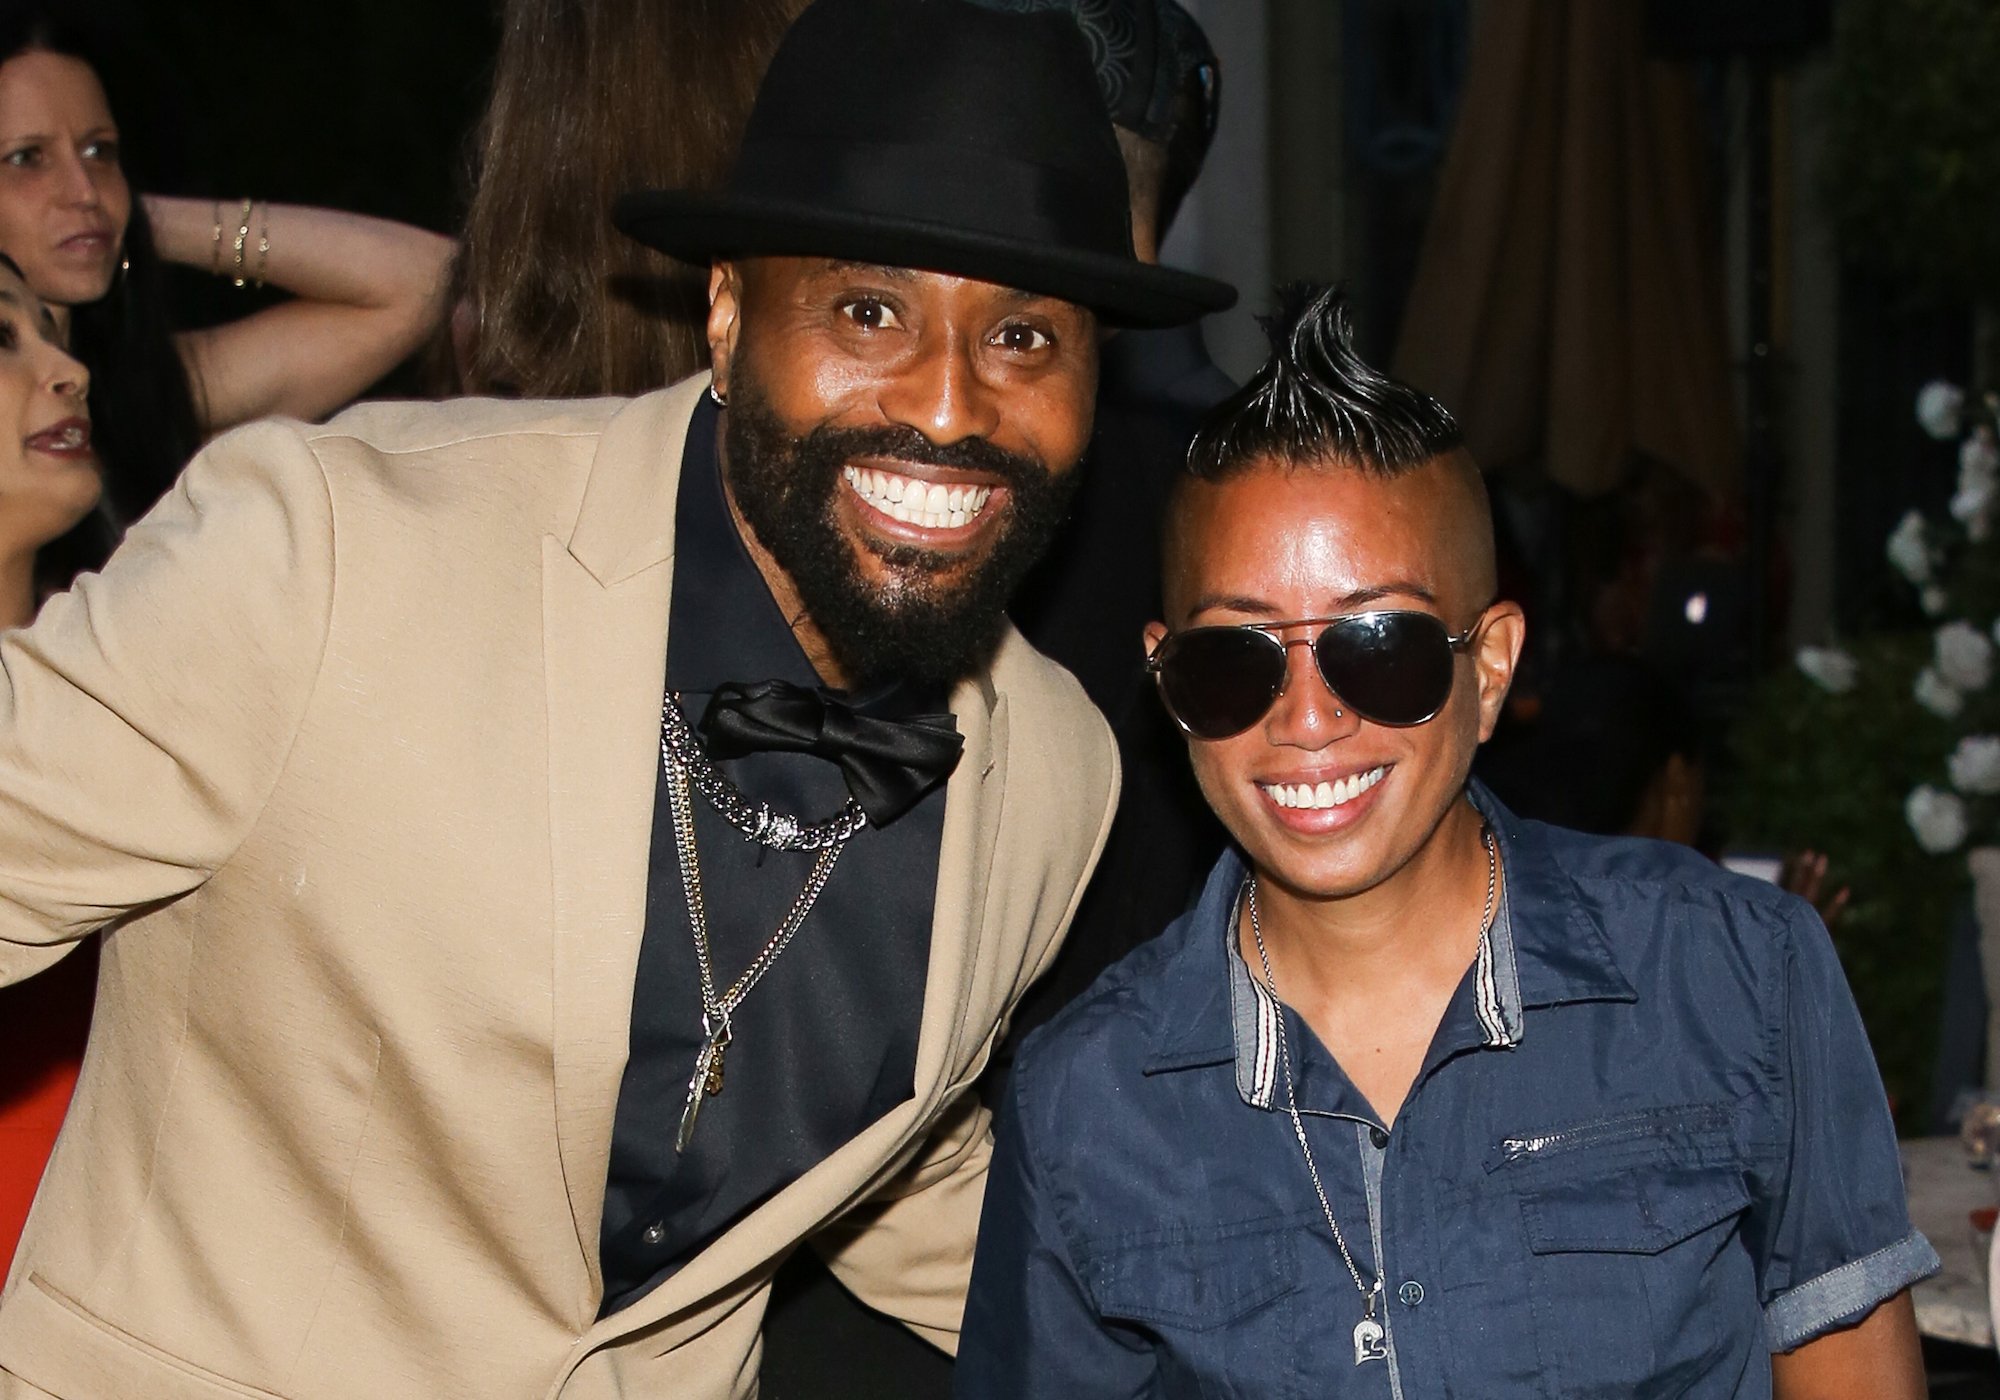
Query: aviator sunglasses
[[1392, 667]]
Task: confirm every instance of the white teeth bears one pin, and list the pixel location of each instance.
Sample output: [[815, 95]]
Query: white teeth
[[929, 506], [67, 440], [1320, 796]]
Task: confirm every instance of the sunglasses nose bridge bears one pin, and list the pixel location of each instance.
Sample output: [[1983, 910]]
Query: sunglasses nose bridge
[[1292, 644], [1315, 701]]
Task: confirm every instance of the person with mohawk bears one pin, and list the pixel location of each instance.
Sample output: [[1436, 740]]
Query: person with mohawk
[[1422, 1099]]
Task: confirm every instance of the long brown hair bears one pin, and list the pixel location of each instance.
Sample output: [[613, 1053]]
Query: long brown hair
[[592, 98]]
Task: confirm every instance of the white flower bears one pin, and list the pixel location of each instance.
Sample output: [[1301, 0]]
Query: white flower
[[1939, 406], [1978, 484], [1964, 655], [1934, 600], [1935, 694], [1979, 460], [1830, 668], [1909, 550], [1975, 764], [1937, 818]]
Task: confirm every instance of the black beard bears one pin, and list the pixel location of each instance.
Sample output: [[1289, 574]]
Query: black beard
[[910, 626]]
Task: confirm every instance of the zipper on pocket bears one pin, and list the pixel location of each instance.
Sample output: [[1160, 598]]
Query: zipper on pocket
[[1630, 1127]]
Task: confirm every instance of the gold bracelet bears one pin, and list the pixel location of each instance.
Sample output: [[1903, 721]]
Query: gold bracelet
[[215, 243], [242, 237], [263, 245]]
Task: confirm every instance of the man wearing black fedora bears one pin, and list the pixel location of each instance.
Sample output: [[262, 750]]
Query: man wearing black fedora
[[1082, 603], [557, 858]]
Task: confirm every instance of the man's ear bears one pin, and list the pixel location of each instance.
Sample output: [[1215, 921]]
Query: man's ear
[[725, 304], [1155, 633], [1496, 651]]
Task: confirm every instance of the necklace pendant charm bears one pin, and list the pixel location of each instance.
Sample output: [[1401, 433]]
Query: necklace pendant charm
[[706, 1080], [692, 1108], [1369, 1343], [707, 1077]]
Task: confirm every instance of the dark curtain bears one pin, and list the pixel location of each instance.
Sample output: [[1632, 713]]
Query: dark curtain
[[1568, 302]]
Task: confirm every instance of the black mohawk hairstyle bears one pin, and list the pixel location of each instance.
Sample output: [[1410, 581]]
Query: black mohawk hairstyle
[[1316, 400]]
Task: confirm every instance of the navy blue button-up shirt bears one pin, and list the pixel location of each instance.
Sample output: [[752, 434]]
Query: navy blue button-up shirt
[[1648, 1146]]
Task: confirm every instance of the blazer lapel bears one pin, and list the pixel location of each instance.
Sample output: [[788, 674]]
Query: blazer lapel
[[606, 591], [965, 867]]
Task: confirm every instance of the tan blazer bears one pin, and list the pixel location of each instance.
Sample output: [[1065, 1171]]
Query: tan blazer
[[355, 741]]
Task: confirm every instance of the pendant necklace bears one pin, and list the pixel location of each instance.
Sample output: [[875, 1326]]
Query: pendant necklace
[[1370, 1339], [688, 769]]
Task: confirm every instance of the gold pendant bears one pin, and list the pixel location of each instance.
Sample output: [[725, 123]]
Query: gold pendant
[[712, 1082]]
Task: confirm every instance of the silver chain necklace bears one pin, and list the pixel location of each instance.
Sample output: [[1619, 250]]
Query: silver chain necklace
[[758, 821], [1370, 1341], [688, 769]]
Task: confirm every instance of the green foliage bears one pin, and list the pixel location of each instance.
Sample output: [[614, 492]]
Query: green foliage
[[1913, 169], [1830, 773]]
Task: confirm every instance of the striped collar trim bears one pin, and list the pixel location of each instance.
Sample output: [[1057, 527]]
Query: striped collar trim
[[1254, 1011]]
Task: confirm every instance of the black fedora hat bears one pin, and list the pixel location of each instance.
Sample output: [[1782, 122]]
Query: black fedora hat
[[937, 135]]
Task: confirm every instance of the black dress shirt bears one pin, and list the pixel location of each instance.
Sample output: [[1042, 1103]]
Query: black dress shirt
[[826, 1043]]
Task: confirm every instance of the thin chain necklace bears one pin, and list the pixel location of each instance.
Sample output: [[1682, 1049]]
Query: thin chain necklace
[[1370, 1342], [688, 769]]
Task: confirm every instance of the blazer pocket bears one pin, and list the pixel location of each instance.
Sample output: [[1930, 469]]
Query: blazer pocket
[[50, 1341]]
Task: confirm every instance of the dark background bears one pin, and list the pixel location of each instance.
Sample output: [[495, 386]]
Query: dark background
[[365, 105]]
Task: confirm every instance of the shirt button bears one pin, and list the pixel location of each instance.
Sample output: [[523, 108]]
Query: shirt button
[[1379, 1138], [653, 1233], [1412, 1293]]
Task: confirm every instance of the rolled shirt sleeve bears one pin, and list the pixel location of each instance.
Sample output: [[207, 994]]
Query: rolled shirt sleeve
[[1031, 1330], [1836, 1238]]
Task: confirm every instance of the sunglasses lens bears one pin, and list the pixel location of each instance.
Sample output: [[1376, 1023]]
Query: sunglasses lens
[[1219, 681], [1390, 667]]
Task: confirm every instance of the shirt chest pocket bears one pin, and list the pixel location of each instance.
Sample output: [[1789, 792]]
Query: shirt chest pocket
[[1635, 1273], [1218, 1306], [1640, 1208]]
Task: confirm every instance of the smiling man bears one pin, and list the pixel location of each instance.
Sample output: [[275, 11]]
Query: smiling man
[[557, 858], [1422, 1100]]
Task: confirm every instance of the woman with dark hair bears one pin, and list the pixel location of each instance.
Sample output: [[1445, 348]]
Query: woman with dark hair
[[590, 100], [365, 292], [48, 484], [48, 472]]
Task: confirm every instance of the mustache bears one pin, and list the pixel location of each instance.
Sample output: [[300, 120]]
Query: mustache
[[908, 445]]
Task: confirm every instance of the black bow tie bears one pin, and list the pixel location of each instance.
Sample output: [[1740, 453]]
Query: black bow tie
[[889, 764]]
